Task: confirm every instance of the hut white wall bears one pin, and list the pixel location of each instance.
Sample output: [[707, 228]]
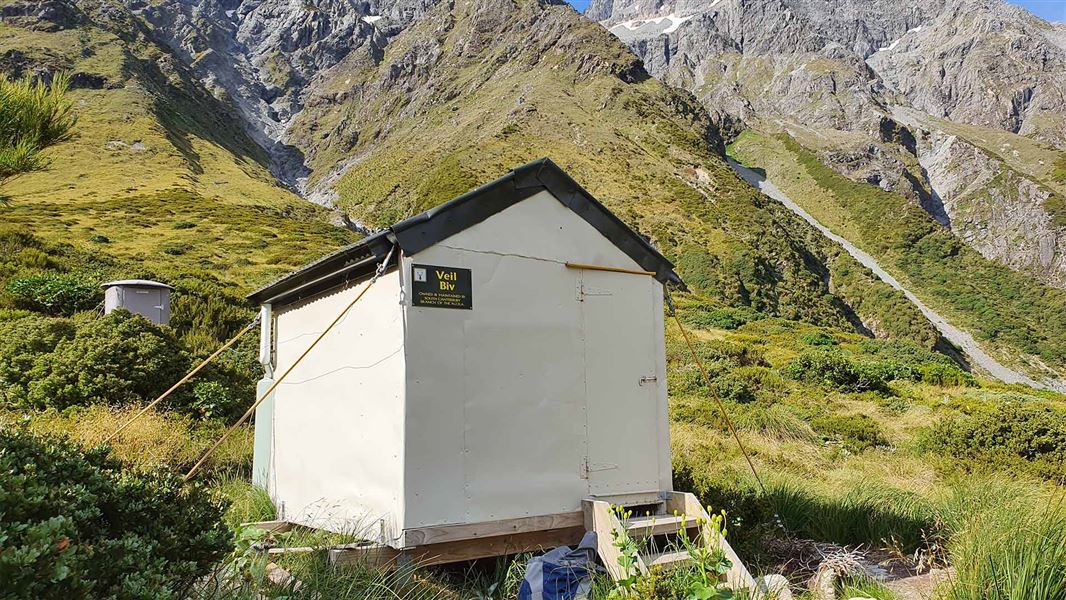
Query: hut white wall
[[338, 430], [496, 409]]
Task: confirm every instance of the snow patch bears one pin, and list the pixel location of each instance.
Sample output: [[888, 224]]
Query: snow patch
[[371, 19], [896, 43], [672, 22]]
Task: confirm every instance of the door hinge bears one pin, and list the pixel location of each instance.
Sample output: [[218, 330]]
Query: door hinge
[[588, 468]]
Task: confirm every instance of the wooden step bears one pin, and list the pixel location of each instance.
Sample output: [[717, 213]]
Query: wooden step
[[666, 560], [652, 525]]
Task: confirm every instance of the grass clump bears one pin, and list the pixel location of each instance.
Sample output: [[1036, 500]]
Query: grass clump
[[1006, 542], [156, 439], [33, 116]]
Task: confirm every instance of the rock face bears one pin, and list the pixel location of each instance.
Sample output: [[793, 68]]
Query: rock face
[[264, 55], [998, 211], [834, 72]]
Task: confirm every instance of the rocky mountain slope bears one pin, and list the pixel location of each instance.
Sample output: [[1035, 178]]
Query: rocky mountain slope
[[835, 74], [160, 172], [383, 110], [388, 116]]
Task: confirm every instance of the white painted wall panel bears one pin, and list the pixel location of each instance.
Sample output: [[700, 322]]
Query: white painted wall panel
[[496, 400], [338, 417]]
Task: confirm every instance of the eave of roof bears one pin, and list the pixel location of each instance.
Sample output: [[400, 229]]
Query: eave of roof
[[358, 261]]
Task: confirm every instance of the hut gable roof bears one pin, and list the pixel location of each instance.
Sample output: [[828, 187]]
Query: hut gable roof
[[421, 231]]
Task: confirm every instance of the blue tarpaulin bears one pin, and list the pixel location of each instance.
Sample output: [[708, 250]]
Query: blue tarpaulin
[[562, 574]]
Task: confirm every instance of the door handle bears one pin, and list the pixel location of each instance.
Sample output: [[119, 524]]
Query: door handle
[[648, 379]]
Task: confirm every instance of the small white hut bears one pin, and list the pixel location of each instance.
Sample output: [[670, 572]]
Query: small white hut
[[509, 365], [150, 299]]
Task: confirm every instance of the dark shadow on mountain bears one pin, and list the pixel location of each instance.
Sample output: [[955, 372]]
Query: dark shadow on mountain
[[931, 202], [948, 349], [186, 110]]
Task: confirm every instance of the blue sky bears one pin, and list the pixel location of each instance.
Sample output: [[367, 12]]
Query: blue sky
[[1052, 10]]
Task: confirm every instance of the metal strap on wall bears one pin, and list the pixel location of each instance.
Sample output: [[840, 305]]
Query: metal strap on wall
[[570, 265], [248, 413]]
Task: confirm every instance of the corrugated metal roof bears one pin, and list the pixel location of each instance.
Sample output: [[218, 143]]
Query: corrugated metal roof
[[436, 224]]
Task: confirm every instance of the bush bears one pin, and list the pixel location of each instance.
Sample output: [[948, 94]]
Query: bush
[[839, 371], [56, 293], [734, 389], [1025, 437], [22, 343], [855, 432], [211, 400], [76, 525], [116, 359], [705, 317], [818, 338], [946, 376]]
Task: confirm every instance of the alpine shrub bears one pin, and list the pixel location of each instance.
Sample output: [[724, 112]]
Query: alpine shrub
[[1013, 435], [211, 400], [734, 389], [839, 371], [817, 338], [718, 318], [55, 293], [855, 432], [22, 343], [77, 525], [116, 359]]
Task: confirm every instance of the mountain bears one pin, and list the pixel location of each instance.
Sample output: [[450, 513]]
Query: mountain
[[383, 110], [159, 173], [868, 86], [222, 114], [952, 108]]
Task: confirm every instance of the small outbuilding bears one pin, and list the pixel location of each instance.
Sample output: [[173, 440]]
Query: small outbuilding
[[150, 299], [507, 366]]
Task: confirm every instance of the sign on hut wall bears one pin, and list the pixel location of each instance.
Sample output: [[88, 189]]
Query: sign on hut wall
[[441, 287]]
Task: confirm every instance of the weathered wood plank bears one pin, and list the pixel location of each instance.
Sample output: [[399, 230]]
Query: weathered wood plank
[[271, 526], [738, 576], [501, 545], [421, 536], [600, 518], [371, 555], [458, 550]]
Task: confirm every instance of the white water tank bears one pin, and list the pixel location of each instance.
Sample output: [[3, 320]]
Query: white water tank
[[150, 299]]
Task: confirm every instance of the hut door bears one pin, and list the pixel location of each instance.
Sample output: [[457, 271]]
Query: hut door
[[620, 382]]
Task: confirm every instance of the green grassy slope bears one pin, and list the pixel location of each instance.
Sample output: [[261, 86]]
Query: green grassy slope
[[477, 88], [159, 173], [1014, 314]]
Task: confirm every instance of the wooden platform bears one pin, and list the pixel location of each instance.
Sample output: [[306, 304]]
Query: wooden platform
[[681, 513]]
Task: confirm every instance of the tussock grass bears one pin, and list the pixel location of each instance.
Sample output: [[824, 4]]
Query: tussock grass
[[155, 439], [1006, 542], [33, 116]]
